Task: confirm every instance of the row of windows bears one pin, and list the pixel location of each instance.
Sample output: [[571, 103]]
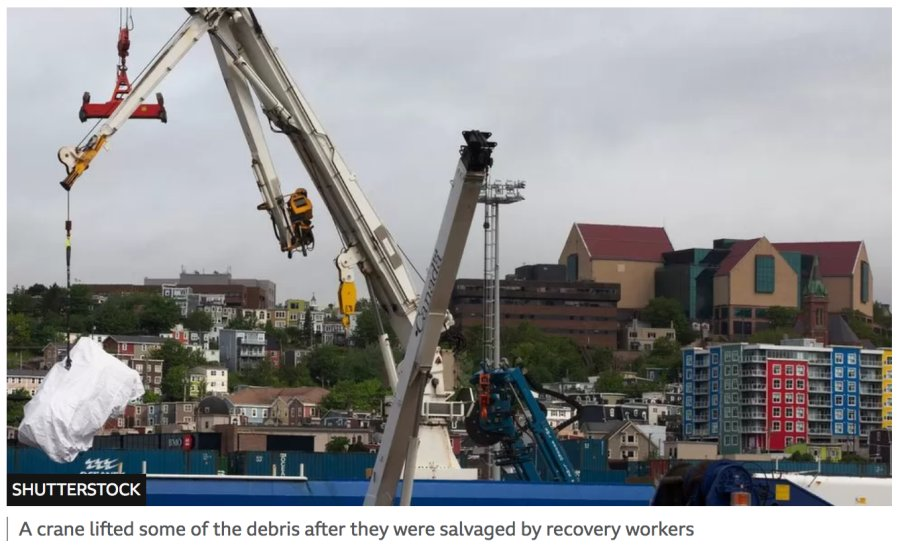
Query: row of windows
[[789, 369], [839, 428], [789, 384], [851, 372], [839, 358], [788, 398], [788, 412], [789, 426]]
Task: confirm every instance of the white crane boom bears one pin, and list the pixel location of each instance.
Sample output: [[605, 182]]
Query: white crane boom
[[251, 67]]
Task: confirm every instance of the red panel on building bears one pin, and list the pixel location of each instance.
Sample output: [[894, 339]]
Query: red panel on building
[[787, 412]]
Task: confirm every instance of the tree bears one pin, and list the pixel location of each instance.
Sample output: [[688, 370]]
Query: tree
[[116, 316], [15, 406], [609, 381], [667, 312], [366, 331], [337, 444], [881, 313], [782, 317], [177, 363], [156, 314], [307, 330], [241, 323], [18, 330], [798, 456], [359, 396]]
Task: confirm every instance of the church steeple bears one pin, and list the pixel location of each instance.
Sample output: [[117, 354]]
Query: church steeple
[[815, 305]]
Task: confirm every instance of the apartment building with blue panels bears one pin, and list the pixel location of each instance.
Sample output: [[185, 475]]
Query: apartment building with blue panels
[[755, 398]]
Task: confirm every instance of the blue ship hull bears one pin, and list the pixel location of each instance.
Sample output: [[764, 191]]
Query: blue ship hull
[[189, 490]]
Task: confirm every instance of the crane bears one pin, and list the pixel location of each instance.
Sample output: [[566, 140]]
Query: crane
[[251, 67]]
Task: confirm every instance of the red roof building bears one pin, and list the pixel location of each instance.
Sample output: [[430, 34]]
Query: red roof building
[[845, 271], [617, 254]]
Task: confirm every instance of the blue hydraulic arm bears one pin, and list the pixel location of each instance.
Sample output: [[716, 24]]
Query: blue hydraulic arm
[[506, 412]]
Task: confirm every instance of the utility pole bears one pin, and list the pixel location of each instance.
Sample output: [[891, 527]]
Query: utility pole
[[493, 194]]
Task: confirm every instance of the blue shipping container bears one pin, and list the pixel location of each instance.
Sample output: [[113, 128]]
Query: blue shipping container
[[317, 466], [167, 462]]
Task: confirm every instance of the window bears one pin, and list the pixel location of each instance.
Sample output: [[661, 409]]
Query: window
[[801, 370], [715, 372], [839, 386], [788, 426], [851, 372], [788, 441], [851, 414], [851, 387], [851, 359], [851, 401], [776, 425], [253, 413], [789, 370], [765, 274], [838, 358], [838, 400], [864, 282], [789, 384], [789, 412], [838, 372], [776, 397], [801, 384], [776, 369], [800, 412], [776, 383], [839, 414], [789, 398], [799, 427], [776, 412], [715, 357], [839, 428]]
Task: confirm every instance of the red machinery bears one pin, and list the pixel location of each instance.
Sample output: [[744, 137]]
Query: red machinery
[[123, 86]]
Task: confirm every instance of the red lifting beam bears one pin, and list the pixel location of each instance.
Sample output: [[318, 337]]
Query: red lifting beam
[[122, 88]]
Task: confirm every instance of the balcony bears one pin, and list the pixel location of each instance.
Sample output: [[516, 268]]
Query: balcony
[[819, 389], [822, 362], [870, 405], [701, 364], [753, 373], [753, 359], [819, 401], [754, 400], [753, 429], [753, 387], [863, 389], [870, 419], [820, 430], [702, 391], [870, 377], [819, 416], [820, 375], [701, 377], [753, 414], [866, 362], [701, 417]]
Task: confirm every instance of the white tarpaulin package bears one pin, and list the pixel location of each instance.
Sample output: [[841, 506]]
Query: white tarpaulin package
[[72, 405]]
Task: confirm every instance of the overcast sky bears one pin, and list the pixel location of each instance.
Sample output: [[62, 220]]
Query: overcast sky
[[711, 123]]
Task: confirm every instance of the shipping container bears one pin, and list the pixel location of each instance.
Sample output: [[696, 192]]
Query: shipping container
[[208, 441], [169, 462], [586, 454], [107, 442], [149, 441], [319, 466], [304, 443]]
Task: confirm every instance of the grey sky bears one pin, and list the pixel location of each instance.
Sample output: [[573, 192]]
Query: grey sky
[[713, 123]]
